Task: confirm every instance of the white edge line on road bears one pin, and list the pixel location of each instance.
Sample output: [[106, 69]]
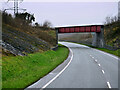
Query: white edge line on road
[[109, 86], [59, 72], [107, 54]]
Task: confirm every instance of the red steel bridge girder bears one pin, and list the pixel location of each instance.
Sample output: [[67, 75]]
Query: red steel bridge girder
[[76, 29]]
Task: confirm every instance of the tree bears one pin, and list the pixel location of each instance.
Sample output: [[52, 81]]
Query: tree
[[47, 24], [36, 24], [26, 18], [110, 20]]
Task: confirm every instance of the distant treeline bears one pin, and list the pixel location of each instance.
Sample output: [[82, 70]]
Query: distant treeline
[[23, 19]]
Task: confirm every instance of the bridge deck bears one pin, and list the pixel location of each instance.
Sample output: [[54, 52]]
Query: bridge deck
[[76, 29]]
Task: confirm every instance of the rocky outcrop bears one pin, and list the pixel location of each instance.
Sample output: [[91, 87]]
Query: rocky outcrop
[[20, 43]]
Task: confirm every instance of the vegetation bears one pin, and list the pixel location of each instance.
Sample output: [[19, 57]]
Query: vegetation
[[116, 52], [25, 18], [112, 31], [23, 23], [21, 71], [47, 24], [34, 42], [20, 30]]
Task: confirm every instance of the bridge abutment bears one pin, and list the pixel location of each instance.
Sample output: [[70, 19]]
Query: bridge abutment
[[98, 39]]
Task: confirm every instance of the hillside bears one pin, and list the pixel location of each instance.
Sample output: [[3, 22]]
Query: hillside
[[26, 51], [112, 34], [21, 39]]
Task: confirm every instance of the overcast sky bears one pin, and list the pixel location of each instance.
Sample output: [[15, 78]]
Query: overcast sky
[[69, 13]]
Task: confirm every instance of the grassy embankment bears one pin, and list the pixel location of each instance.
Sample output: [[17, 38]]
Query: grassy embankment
[[21, 71], [116, 52], [112, 34]]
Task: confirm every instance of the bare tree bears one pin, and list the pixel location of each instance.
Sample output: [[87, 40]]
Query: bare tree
[[110, 20], [107, 20], [47, 24], [114, 19], [36, 24]]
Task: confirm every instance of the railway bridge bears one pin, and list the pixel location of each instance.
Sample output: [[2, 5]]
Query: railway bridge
[[98, 39]]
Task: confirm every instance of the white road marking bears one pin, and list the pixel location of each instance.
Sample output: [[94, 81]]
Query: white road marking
[[99, 65], [107, 54], [95, 60], [59, 72], [92, 57], [108, 83], [103, 71], [109, 86], [51, 73]]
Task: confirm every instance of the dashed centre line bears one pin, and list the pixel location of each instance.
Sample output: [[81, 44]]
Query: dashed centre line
[[99, 65], [108, 83], [95, 60], [109, 86], [92, 57], [103, 71]]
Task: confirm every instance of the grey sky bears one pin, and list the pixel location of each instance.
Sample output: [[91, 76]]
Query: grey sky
[[74, 13]]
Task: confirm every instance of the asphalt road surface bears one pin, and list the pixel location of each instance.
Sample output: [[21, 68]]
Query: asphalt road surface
[[89, 68]]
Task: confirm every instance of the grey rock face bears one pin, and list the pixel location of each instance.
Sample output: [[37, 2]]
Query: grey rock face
[[19, 43]]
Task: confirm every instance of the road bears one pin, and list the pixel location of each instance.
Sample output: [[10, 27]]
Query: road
[[89, 68]]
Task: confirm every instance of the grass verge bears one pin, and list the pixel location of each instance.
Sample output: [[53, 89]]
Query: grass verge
[[116, 52], [21, 71]]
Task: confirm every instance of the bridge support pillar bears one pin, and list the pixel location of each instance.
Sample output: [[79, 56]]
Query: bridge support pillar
[[98, 39]]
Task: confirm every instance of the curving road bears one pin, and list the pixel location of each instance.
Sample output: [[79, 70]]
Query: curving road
[[89, 68]]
